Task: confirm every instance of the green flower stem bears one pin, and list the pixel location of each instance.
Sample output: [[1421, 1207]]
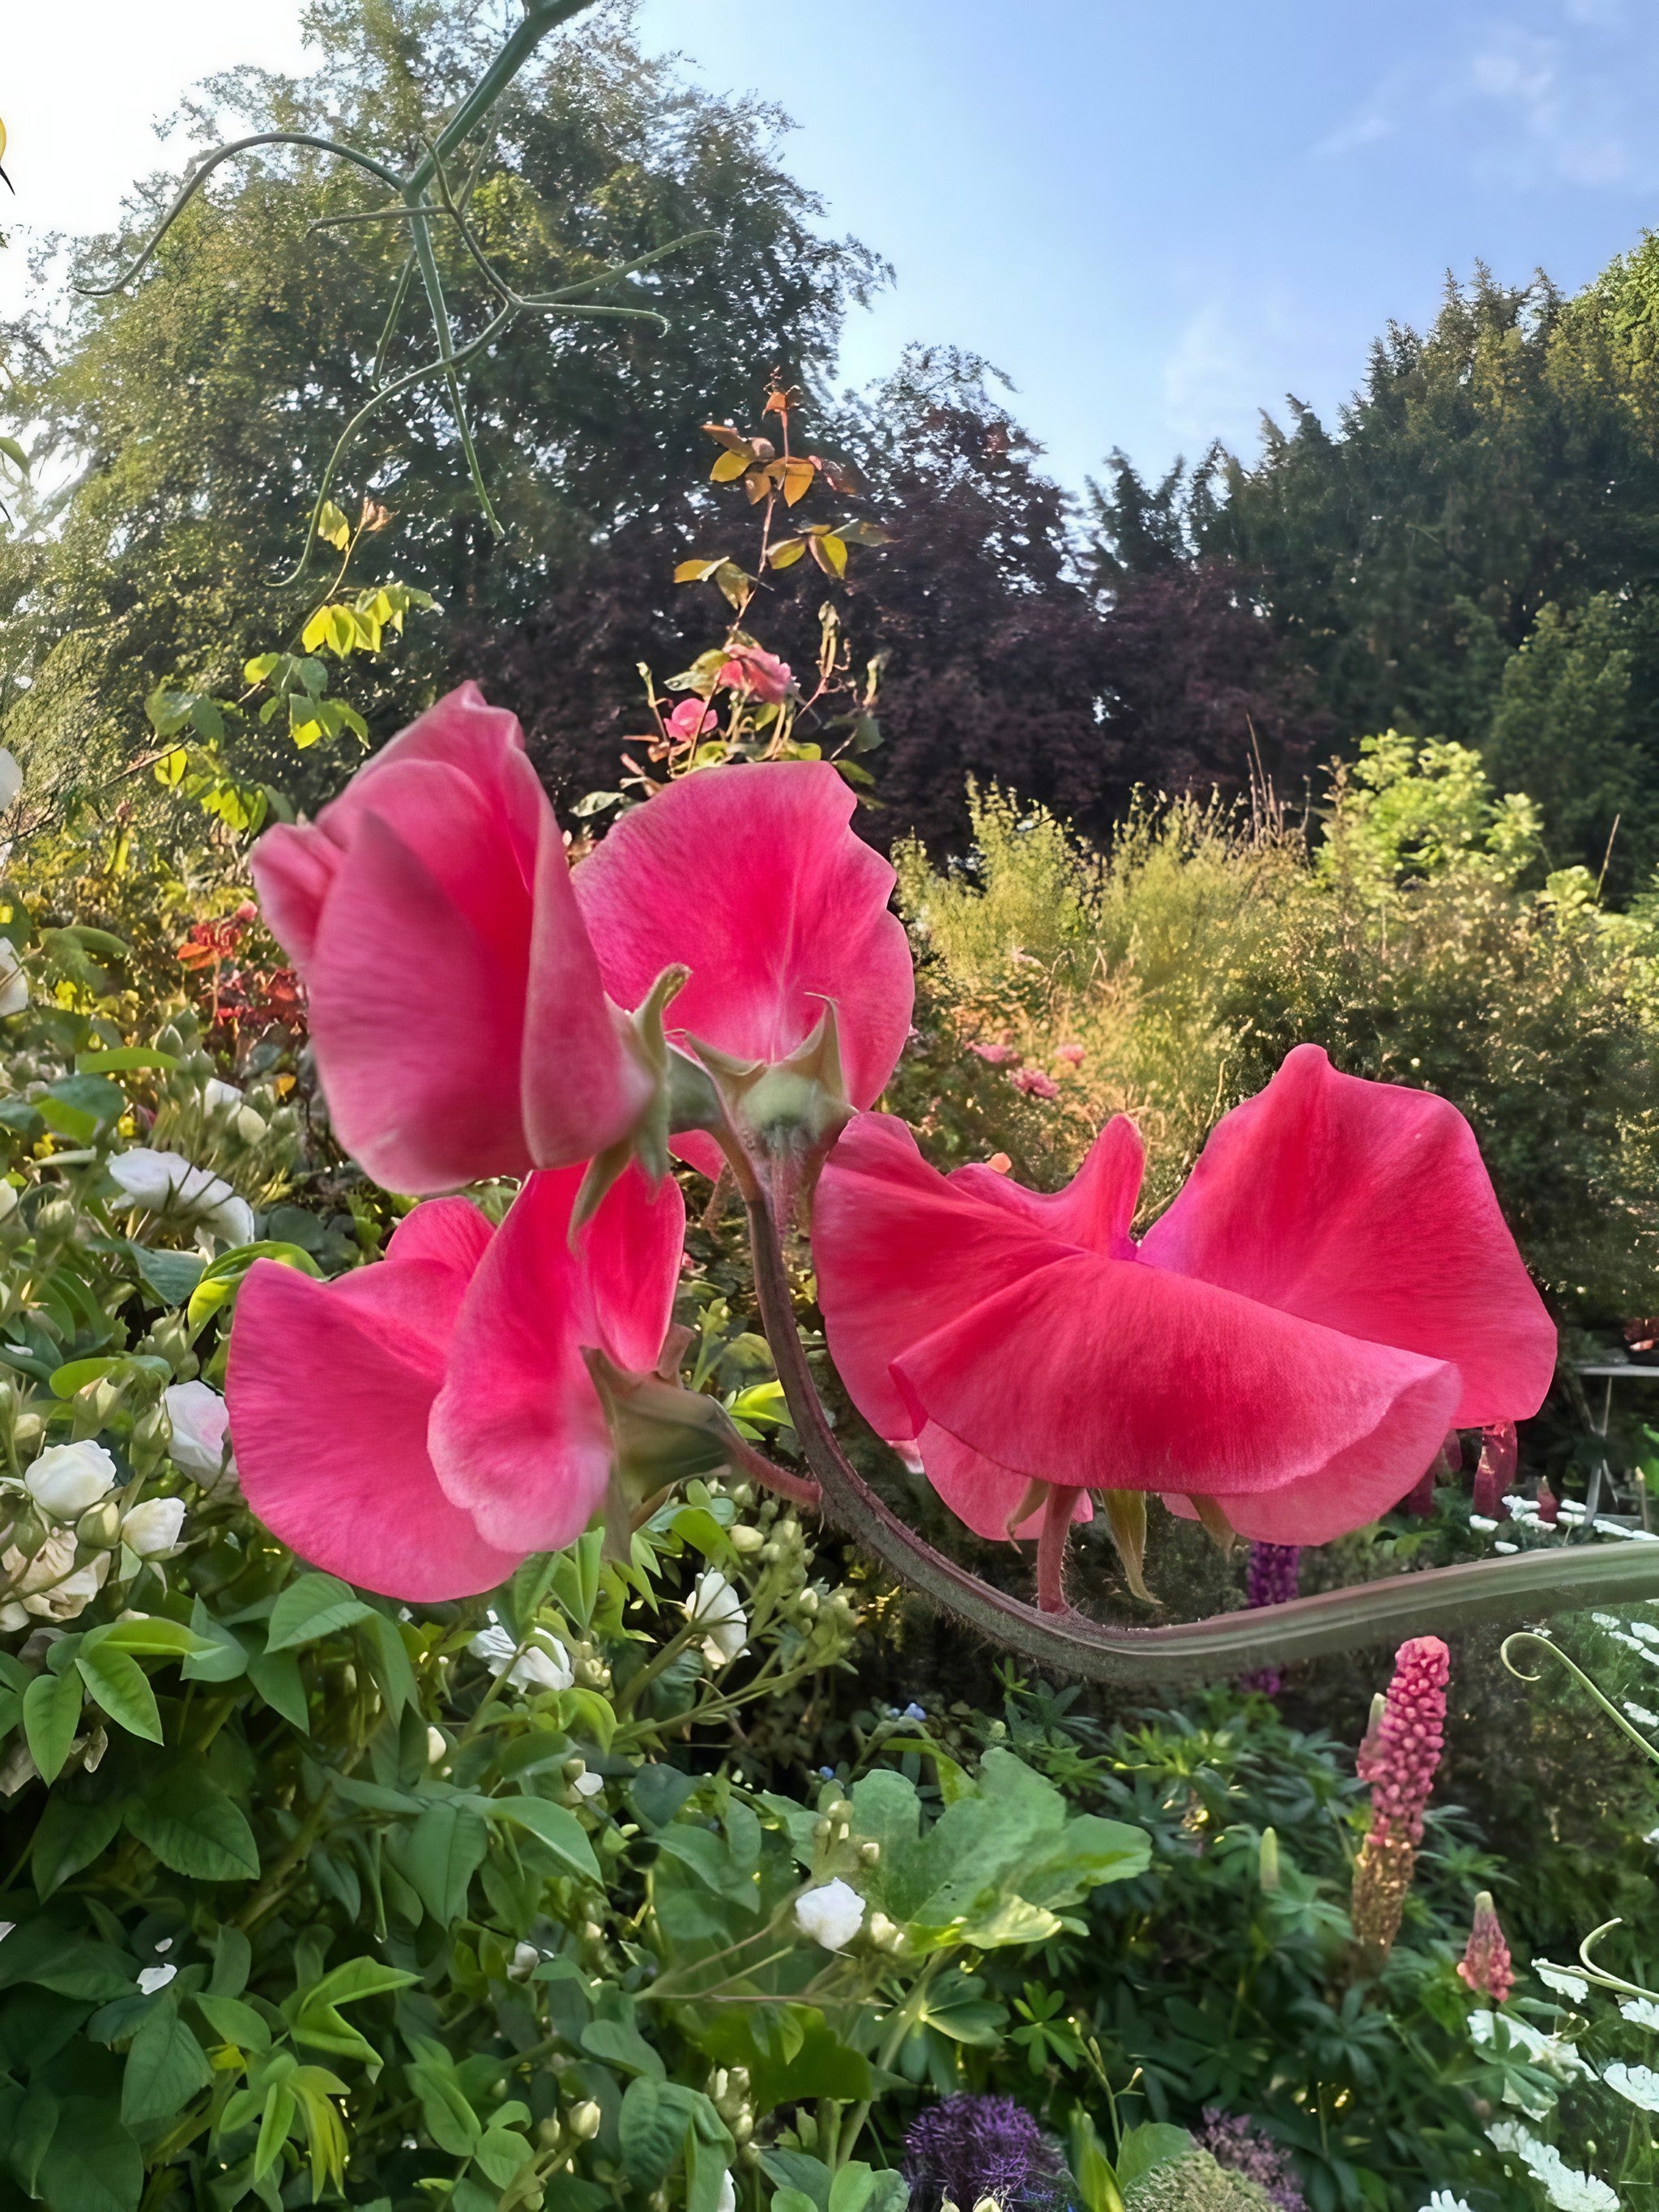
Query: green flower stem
[[1070, 1644]]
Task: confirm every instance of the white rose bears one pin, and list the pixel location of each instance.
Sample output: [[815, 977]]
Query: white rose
[[168, 1181], [154, 1527], [50, 1564], [66, 1479], [69, 1599], [220, 1097], [714, 1605], [14, 983], [197, 1416], [831, 1915]]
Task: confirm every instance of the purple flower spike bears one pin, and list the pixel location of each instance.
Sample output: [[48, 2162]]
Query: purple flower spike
[[966, 2148]]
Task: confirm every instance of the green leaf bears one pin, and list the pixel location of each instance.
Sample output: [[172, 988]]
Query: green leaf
[[220, 1656], [165, 2066], [274, 2123], [332, 527], [390, 1663], [121, 1687], [69, 1835], [275, 1675], [93, 2164], [152, 1636], [42, 1952], [121, 1057], [651, 2128], [51, 1712], [620, 2045], [314, 2016], [313, 1607], [450, 2119], [555, 1827], [30, 2137], [233, 2021], [75, 1374], [502, 2152], [1155, 2142], [191, 1825], [442, 1852], [171, 1275]]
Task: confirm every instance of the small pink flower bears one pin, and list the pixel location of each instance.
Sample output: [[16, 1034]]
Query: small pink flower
[[689, 720], [993, 1054], [1071, 1053], [761, 675], [1034, 1084], [1486, 1965]]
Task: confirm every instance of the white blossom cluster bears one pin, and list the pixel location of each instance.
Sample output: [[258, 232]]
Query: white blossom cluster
[[1565, 2187]]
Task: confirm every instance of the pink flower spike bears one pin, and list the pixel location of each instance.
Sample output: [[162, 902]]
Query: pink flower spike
[[752, 877], [1266, 1345], [761, 674], [1485, 1965], [460, 1024], [1401, 1756]]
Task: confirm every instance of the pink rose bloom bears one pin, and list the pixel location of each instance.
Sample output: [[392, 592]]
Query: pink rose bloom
[[418, 1426], [752, 875], [689, 720], [761, 675], [1034, 1084], [993, 1054], [1071, 1053], [459, 1021], [1334, 1288]]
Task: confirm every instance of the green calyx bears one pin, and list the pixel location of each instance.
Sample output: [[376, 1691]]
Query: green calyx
[[785, 1114]]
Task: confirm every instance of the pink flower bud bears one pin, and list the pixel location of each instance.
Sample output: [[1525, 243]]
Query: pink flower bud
[[1485, 1964], [690, 720]]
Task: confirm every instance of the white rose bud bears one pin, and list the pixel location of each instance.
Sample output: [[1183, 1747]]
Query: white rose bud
[[715, 1606], [67, 1479], [196, 1416], [524, 1962], [154, 1527], [68, 1600]]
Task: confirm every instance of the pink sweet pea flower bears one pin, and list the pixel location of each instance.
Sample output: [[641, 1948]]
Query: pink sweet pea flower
[[752, 876], [419, 1425], [1333, 1289], [456, 1014], [762, 675]]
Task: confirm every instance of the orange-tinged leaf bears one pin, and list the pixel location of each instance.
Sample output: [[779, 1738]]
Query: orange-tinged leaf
[[757, 483], [697, 571], [733, 440], [798, 478], [863, 533], [786, 552], [830, 554], [733, 463]]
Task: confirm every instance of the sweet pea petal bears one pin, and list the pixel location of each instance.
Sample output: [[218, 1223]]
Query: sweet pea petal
[[329, 1399], [460, 1024], [517, 1436], [900, 1250], [1107, 1374], [1095, 1209], [752, 876], [1366, 1208], [980, 1492]]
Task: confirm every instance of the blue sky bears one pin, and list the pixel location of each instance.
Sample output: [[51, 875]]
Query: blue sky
[[1156, 217]]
